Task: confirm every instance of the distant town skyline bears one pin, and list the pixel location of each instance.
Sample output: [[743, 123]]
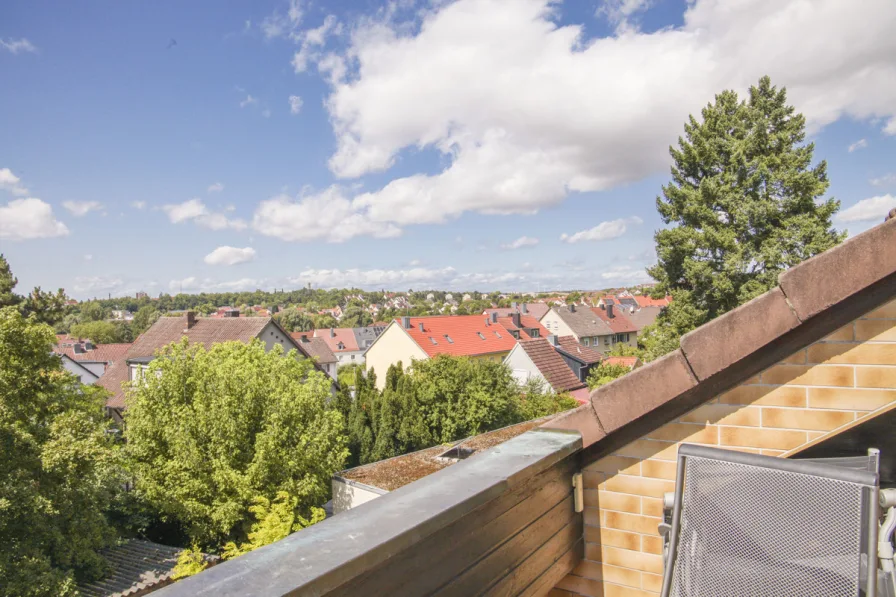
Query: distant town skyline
[[513, 145]]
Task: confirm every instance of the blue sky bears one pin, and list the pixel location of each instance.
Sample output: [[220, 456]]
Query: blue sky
[[154, 146]]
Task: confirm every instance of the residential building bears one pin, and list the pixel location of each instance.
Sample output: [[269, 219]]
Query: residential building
[[593, 327], [141, 295], [536, 310], [335, 312], [537, 359], [349, 344], [521, 327], [644, 300], [632, 362], [414, 338], [644, 316], [96, 358], [318, 350], [578, 357], [572, 508], [198, 330], [84, 375], [122, 315]]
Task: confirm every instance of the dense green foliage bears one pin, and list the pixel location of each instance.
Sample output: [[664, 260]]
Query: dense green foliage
[[209, 431], [274, 520], [437, 401], [143, 319], [604, 373], [744, 203], [59, 468], [46, 307], [103, 332]]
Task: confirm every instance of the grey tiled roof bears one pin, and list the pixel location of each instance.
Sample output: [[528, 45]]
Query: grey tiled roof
[[366, 335], [583, 322], [138, 567]]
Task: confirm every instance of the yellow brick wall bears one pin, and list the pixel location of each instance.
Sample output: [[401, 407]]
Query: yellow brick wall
[[831, 383]]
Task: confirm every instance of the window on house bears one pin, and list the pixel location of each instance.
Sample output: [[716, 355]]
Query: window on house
[[607, 340], [534, 333], [621, 338], [353, 357], [587, 342]]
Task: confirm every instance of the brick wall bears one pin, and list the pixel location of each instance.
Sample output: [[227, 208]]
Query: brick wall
[[849, 375]]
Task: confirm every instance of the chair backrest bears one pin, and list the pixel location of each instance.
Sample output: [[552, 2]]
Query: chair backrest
[[751, 525]]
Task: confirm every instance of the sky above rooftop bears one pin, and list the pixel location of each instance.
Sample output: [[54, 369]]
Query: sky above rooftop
[[474, 144]]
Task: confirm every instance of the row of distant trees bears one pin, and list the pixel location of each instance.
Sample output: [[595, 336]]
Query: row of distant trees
[[226, 449]]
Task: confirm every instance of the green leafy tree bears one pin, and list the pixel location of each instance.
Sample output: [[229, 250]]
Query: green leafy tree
[[59, 468], [7, 283], [604, 373], [744, 204], [93, 311], [144, 318], [189, 562], [355, 317], [537, 400], [46, 307], [274, 520], [573, 298], [293, 320], [209, 431], [101, 332]]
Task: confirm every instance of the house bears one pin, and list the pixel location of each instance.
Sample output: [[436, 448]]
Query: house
[[536, 310], [644, 300], [96, 358], [122, 315], [141, 295], [594, 327], [414, 338], [335, 312], [578, 357], [644, 316], [84, 375], [572, 508], [537, 359], [631, 362], [521, 327], [349, 344], [198, 330], [318, 350]]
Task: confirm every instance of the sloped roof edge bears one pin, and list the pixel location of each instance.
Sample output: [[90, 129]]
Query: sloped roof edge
[[811, 300]]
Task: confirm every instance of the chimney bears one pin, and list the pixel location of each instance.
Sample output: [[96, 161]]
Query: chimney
[[552, 338], [406, 322], [515, 318], [191, 318], [610, 311], [524, 308], [494, 316], [420, 326], [572, 308], [332, 333], [513, 305]]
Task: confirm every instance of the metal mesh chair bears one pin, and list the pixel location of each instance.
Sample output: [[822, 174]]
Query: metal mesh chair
[[757, 526]]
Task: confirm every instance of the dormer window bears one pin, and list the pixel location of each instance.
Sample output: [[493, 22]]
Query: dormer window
[[534, 333], [340, 346]]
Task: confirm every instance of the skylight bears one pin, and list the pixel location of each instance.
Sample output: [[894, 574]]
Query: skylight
[[450, 341], [497, 334], [433, 340], [481, 337]]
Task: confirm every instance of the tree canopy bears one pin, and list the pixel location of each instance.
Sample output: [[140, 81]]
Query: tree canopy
[[59, 469], [211, 431], [744, 203]]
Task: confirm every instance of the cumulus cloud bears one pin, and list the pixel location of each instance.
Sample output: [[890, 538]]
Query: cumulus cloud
[[327, 216], [215, 187], [81, 208], [626, 275], [554, 111], [282, 24], [93, 285], [295, 104], [194, 284], [195, 210], [603, 231], [312, 41], [16, 46], [872, 209], [884, 181], [230, 256], [249, 101], [24, 219], [523, 241], [860, 144], [11, 183]]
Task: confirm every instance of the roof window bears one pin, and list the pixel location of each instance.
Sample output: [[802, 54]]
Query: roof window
[[448, 338], [481, 336]]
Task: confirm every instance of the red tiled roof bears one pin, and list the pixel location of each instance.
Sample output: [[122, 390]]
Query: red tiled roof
[[464, 331], [619, 323], [526, 322], [316, 347], [104, 353], [623, 361], [645, 301], [344, 335], [536, 310], [551, 365], [570, 345]]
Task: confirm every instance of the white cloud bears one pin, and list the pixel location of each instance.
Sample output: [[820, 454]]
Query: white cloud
[[24, 219], [327, 216], [553, 112], [523, 241], [230, 256], [868, 210], [249, 101], [284, 25], [81, 208], [16, 46], [195, 210], [885, 180], [620, 12], [194, 284], [860, 144], [414, 262], [626, 275], [295, 104], [313, 40], [11, 183], [93, 285], [138, 205], [88, 257], [381, 278], [215, 188], [603, 231]]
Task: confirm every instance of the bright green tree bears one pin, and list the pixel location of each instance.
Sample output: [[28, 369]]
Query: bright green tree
[[101, 332], [537, 400], [293, 320], [93, 311], [59, 468], [144, 318], [355, 317], [604, 373], [209, 431], [7, 283], [274, 520], [744, 204]]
